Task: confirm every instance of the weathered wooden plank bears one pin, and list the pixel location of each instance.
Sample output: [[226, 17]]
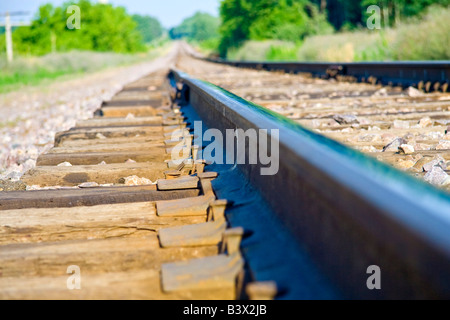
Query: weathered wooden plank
[[137, 111], [95, 258], [136, 285], [93, 158], [88, 197], [103, 174], [140, 95], [115, 254], [154, 147], [110, 122], [109, 141], [132, 103], [84, 223], [149, 97], [109, 132], [144, 86]]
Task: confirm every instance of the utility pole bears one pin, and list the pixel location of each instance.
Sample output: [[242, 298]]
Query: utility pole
[[8, 32], [9, 48]]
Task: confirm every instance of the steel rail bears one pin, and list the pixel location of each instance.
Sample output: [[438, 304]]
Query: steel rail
[[407, 73], [347, 209]]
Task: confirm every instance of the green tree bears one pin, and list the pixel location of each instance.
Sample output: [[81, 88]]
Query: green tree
[[103, 28], [350, 14], [200, 27], [149, 27], [290, 20]]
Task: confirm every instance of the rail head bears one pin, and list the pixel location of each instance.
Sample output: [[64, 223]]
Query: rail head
[[406, 217]]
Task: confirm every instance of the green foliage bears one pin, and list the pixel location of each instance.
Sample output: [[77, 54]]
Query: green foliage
[[200, 27], [285, 21], [420, 38], [103, 28], [237, 18], [350, 14], [244, 21], [380, 50], [289, 20], [282, 53], [210, 45], [424, 39], [253, 50], [150, 28], [270, 50]]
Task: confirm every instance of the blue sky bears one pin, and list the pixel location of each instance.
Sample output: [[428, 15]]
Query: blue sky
[[169, 12]]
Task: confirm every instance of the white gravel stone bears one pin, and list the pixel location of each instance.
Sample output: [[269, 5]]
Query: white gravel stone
[[443, 145], [136, 181], [435, 135], [413, 92], [437, 161], [346, 119], [422, 147], [88, 185], [436, 176], [425, 122], [381, 93], [406, 149], [399, 124], [65, 164], [369, 138]]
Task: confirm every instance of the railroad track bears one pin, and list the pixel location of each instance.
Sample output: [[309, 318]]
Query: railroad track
[[133, 205], [374, 119]]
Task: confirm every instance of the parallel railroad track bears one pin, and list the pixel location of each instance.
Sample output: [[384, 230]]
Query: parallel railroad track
[[216, 231]]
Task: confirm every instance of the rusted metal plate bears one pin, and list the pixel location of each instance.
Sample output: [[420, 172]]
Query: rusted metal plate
[[205, 273], [204, 234], [209, 233], [197, 206], [186, 182]]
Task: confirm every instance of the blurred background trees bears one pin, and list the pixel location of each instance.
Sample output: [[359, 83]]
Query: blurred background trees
[[104, 28], [149, 27], [200, 27], [277, 29], [289, 20], [301, 30]]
